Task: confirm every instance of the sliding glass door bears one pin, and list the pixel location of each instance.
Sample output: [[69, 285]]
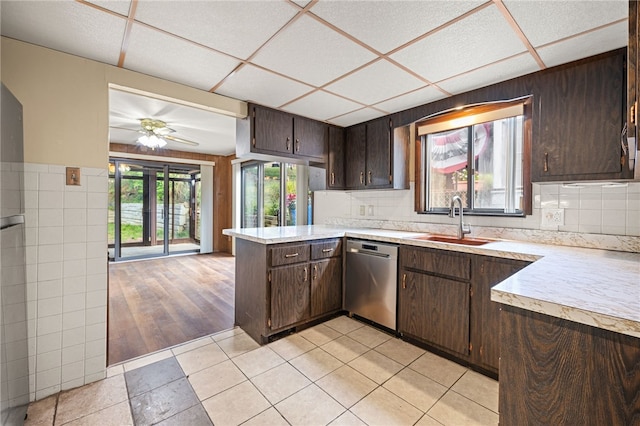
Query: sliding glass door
[[153, 209]]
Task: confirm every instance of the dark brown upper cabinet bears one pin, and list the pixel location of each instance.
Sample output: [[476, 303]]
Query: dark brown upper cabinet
[[580, 118], [374, 159], [633, 89], [277, 133], [336, 158]]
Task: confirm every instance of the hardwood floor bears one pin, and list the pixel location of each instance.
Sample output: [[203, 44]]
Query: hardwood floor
[[157, 303]]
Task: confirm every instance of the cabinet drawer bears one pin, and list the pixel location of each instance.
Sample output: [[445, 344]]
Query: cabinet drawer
[[325, 249], [286, 255], [437, 262]]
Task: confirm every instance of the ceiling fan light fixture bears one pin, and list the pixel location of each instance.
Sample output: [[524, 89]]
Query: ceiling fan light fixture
[[150, 140]]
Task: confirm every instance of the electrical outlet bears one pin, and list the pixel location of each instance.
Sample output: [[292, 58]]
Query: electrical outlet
[[361, 209], [370, 210], [552, 218]]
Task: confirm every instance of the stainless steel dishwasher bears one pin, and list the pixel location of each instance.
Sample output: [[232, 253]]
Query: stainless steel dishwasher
[[371, 281]]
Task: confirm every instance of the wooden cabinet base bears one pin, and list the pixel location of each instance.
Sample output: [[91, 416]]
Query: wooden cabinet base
[[557, 372]]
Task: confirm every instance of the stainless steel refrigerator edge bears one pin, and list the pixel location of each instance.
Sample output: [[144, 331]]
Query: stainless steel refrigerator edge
[[14, 356], [371, 285]]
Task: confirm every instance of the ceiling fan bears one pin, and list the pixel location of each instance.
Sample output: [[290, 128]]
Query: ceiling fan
[[156, 133]]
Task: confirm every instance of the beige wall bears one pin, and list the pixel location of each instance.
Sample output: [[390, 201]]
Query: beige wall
[[65, 101]]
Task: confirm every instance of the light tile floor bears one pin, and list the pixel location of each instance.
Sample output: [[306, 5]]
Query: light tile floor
[[341, 372]]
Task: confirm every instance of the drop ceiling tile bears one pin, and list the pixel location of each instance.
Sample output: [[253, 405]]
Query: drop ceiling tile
[[237, 28], [119, 6], [385, 25], [311, 52], [416, 98], [589, 44], [67, 26], [480, 39], [164, 56], [321, 106], [546, 21], [490, 74], [376, 82], [355, 117], [254, 84]]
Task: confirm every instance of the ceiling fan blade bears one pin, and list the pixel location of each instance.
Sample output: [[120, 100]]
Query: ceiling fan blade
[[180, 140], [163, 131]]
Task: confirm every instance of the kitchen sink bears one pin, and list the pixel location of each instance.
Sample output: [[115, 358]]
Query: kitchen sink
[[453, 240]]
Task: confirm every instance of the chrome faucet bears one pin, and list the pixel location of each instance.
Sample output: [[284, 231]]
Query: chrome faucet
[[462, 227]]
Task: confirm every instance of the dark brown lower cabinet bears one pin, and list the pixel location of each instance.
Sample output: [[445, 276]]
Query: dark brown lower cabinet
[[436, 310], [444, 301], [485, 314], [282, 286], [326, 286], [290, 295], [558, 372]]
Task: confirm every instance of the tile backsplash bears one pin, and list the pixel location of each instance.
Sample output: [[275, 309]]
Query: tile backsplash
[[66, 239], [586, 209]]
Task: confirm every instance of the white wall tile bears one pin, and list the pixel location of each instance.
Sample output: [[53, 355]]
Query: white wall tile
[[75, 217], [97, 200], [75, 251], [47, 379], [73, 285], [73, 302], [96, 315], [97, 282], [50, 200], [96, 332], [73, 371], [75, 234], [95, 365], [75, 200], [50, 324], [48, 343], [49, 253], [96, 232], [96, 298], [75, 268], [72, 320], [49, 289], [50, 217], [49, 271], [50, 182], [50, 234], [97, 216], [48, 307], [96, 249], [97, 266], [73, 337], [30, 181], [57, 169], [72, 354], [30, 199], [95, 348], [48, 360]]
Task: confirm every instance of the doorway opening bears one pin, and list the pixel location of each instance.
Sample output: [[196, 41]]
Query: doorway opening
[[154, 209]]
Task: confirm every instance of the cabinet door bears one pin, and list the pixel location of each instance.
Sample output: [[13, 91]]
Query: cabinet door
[[355, 156], [272, 130], [310, 138], [580, 119], [336, 160], [378, 156], [326, 286], [289, 295], [485, 314], [435, 309]]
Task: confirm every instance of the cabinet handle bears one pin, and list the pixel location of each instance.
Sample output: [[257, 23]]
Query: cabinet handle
[[333, 178], [404, 280], [297, 145], [288, 143], [291, 255], [327, 250], [546, 161], [369, 178], [253, 142], [315, 272], [306, 274], [362, 178]]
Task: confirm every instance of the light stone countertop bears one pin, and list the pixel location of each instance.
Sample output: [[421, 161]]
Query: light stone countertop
[[596, 287]]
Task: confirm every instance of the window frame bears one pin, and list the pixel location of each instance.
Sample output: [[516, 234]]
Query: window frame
[[440, 120]]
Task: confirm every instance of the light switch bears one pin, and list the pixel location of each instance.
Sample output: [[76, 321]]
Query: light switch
[[73, 175]]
